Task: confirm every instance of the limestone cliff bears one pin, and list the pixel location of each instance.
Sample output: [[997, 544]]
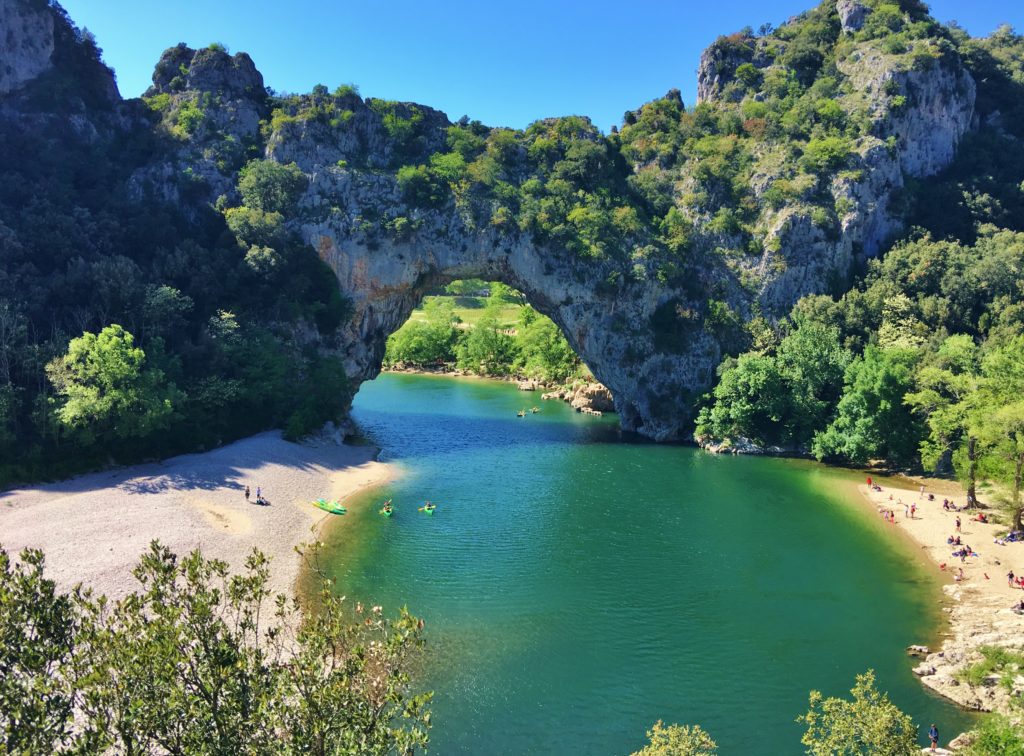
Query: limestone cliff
[[26, 42], [651, 302]]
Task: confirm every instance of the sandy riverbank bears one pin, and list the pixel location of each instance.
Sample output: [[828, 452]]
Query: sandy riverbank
[[980, 614], [94, 527]]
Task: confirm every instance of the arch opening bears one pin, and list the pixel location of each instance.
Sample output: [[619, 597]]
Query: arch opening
[[605, 317], [486, 328]]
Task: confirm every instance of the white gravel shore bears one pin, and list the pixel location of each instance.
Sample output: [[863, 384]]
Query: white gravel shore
[[94, 527]]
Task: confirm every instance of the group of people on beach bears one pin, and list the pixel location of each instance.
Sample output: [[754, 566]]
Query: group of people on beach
[[259, 496]]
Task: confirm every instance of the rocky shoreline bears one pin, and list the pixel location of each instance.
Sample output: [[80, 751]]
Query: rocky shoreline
[[586, 397], [980, 614]]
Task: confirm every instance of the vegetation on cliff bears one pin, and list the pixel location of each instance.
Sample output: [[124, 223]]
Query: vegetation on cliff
[[181, 221], [132, 327], [922, 356]]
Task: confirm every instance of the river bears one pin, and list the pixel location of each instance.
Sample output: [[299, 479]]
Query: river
[[577, 588]]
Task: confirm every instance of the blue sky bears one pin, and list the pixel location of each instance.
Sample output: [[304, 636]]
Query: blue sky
[[506, 63]]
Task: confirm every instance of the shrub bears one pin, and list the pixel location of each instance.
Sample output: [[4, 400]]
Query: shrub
[[825, 154]]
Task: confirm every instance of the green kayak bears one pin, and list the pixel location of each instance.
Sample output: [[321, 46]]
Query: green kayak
[[330, 506], [387, 512]]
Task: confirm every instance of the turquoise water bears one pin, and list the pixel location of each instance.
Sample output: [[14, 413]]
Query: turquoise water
[[577, 588]]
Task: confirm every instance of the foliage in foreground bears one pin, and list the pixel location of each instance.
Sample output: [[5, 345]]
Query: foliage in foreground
[[201, 661], [677, 740], [869, 724], [997, 736]]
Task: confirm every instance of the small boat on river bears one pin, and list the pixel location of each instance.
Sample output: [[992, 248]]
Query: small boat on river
[[333, 507]]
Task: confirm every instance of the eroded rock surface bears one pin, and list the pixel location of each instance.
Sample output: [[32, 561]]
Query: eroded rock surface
[[26, 42], [651, 329]]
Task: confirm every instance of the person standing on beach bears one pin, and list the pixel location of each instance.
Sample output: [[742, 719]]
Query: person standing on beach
[[913, 511], [933, 735], [922, 493], [1009, 578], [958, 523], [247, 493]]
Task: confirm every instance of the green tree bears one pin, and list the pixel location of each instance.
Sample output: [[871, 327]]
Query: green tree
[[486, 349], [202, 661], [1000, 431], [750, 400], [872, 420], [271, 187], [783, 398], [37, 643], [254, 227], [946, 390], [545, 353], [868, 724], [997, 736], [429, 341], [813, 365], [825, 154], [106, 388], [997, 421], [677, 740]]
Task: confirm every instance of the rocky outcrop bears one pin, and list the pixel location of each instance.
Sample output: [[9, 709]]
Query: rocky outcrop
[[920, 116], [26, 42], [852, 14], [593, 396], [977, 621], [210, 70], [584, 396], [719, 62]]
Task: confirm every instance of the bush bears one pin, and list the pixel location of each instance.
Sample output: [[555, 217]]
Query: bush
[[271, 187], [190, 664], [825, 154]]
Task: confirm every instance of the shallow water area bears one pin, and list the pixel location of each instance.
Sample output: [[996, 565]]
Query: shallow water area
[[577, 588]]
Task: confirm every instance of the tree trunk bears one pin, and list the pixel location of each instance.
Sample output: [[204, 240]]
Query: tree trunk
[[1018, 511], [972, 471]]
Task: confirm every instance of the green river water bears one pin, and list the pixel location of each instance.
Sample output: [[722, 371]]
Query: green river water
[[577, 588]]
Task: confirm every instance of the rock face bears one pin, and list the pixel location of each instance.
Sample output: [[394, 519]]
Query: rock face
[[593, 396], [26, 42], [208, 70], [852, 14], [615, 328], [647, 337]]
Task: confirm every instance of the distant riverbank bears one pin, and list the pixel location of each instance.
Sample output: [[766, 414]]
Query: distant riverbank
[[582, 394], [981, 613], [93, 528]]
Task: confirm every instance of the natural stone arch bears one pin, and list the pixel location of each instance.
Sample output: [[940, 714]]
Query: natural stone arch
[[610, 330], [651, 318]]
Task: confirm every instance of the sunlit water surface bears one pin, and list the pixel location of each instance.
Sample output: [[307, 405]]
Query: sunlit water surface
[[577, 588]]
